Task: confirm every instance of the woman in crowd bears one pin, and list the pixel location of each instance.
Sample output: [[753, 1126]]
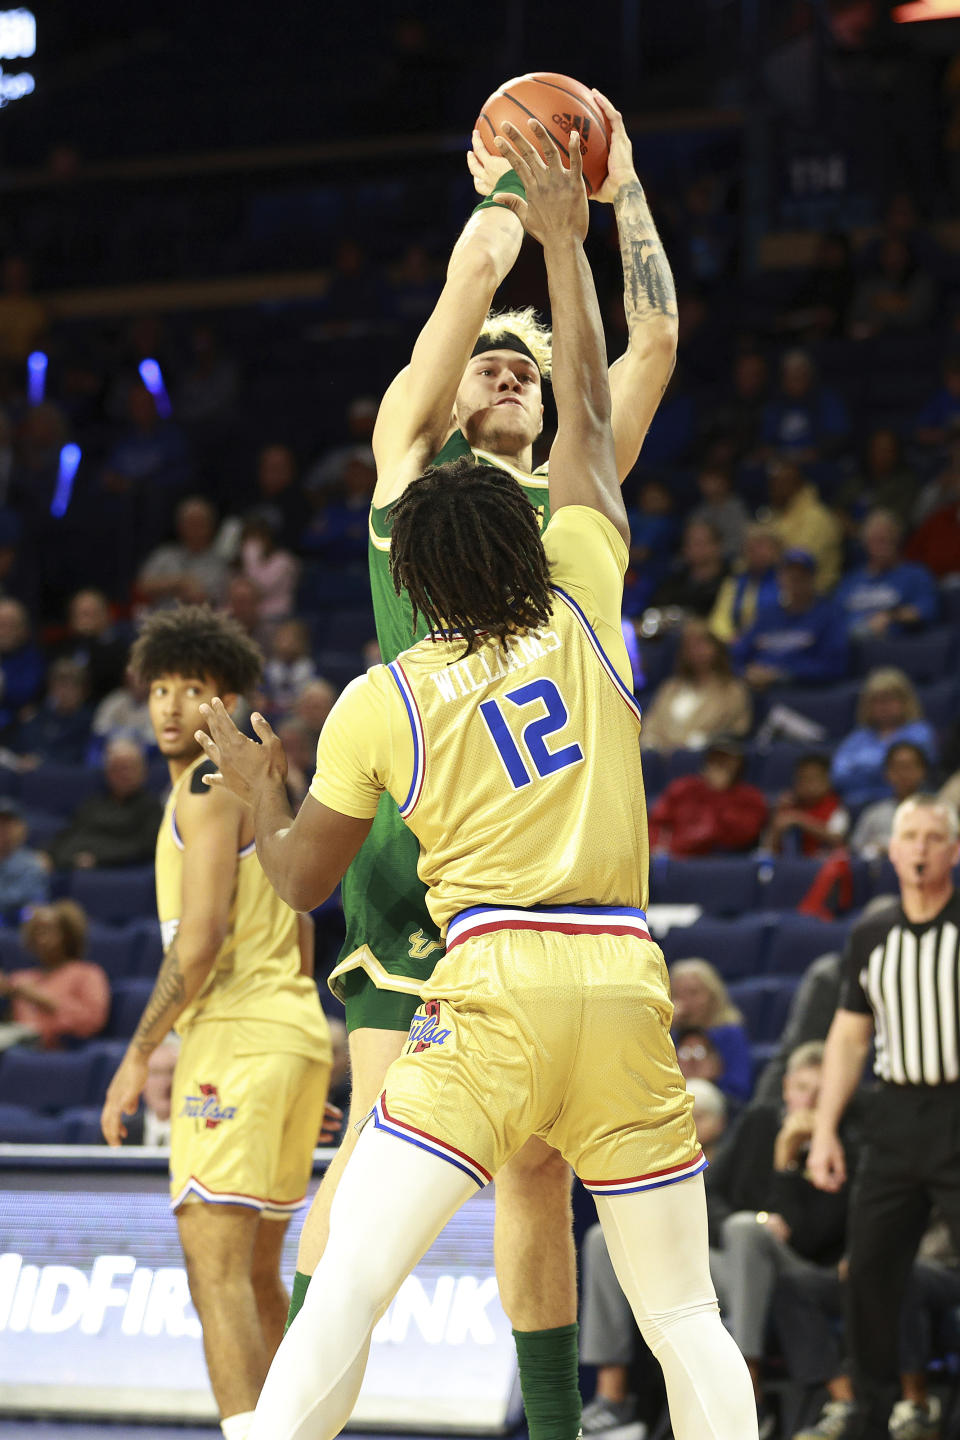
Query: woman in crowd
[[701, 1000], [888, 711], [68, 997], [700, 700]]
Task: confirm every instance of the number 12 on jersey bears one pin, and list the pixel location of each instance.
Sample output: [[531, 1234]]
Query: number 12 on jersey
[[533, 733]]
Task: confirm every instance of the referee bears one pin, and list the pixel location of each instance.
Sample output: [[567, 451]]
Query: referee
[[901, 986]]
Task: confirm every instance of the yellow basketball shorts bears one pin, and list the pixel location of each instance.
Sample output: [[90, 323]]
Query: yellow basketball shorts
[[245, 1117], [561, 1029]]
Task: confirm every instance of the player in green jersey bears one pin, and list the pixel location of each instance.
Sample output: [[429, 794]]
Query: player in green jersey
[[474, 382]]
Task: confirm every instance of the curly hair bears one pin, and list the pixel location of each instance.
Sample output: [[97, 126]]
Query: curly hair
[[194, 641], [466, 547], [71, 921], [529, 328]]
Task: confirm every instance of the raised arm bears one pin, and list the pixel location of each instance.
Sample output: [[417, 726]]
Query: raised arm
[[640, 376], [582, 463], [415, 414]]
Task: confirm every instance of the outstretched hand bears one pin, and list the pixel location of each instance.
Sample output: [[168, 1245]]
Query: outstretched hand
[[484, 165], [243, 766], [556, 202]]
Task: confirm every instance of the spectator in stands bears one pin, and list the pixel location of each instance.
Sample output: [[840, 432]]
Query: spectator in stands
[[941, 491], [21, 663], [117, 827], [278, 494], [189, 569], [68, 998], [701, 1001], [799, 639], [151, 1123], [721, 508], [325, 476], [242, 603], [300, 747], [93, 641], [697, 1056], [608, 1333], [906, 769], [939, 420], [23, 875], [208, 387], [818, 307], [338, 529], [60, 729], [125, 712], [696, 577], [897, 297], [886, 595], [802, 520], [313, 705], [272, 570], [806, 420], [712, 813], [653, 538], [737, 421], [289, 666], [793, 1226], [884, 481], [809, 818], [888, 710], [701, 700], [753, 585], [23, 318], [937, 542], [149, 466]]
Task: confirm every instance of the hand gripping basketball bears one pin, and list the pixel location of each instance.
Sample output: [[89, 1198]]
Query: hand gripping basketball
[[556, 203]]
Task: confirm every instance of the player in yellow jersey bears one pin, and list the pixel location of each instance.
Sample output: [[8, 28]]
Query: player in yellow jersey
[[509, 740], [473, 387], [236, 981]]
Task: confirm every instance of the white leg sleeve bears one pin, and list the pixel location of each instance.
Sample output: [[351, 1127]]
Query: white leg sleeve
[[393, 1200], [658, 1244]]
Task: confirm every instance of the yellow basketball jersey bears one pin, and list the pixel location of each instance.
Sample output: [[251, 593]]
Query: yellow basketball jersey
[[256, 975], [518, 771]]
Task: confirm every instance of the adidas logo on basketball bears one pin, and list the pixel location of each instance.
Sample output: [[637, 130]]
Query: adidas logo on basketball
[[580, 123]]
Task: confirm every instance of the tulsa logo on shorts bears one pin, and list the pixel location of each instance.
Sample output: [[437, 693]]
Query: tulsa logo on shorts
[[425, 1029], [206, 1107]]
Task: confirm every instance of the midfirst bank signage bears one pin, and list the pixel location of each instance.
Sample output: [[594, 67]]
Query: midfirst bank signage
[[96, 1317]]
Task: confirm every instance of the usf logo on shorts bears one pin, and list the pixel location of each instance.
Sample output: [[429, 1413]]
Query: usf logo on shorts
[[421, 945]]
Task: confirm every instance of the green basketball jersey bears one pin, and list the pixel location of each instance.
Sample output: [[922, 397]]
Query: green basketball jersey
[[391, 942], [393, 613]]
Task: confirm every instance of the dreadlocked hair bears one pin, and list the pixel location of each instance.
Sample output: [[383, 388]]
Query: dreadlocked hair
[[466, 547], [194, 641]]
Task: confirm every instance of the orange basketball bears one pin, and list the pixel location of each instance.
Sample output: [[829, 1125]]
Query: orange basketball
[[561, 105]]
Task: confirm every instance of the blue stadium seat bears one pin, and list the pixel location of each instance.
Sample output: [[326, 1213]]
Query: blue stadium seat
[[58, 789], [681, 763], [950, 602], [798, 940], [725, 885], [81, 1124], [735, 947], [41, 827], [764, 1003], [12, 957], [150, 948], [654, 772], [115, 947], [776, 765], [115, 895], [129, 999], [19, 1125], [941, 702], [783, 881], [925, 657], [50, 1080], [832, 707]]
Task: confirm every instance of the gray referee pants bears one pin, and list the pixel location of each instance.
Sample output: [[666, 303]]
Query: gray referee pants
[[608, 1331]]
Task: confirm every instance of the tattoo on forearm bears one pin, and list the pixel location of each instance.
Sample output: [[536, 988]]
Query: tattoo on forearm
[[164, 1004], [648, 289]]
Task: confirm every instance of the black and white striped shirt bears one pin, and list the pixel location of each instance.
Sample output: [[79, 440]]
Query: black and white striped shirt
[[908, 977]]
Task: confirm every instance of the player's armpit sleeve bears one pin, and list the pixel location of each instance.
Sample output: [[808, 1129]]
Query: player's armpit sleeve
[[852, 994], [588, 559], [351, 753]]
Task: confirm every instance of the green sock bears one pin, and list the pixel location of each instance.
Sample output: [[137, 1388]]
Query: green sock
[[297, 1297], [549, 1379]]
